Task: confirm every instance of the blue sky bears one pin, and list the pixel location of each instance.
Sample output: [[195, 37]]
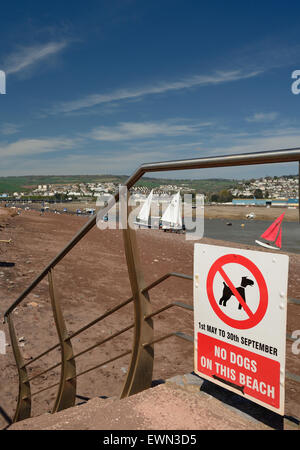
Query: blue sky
[[103, 86]]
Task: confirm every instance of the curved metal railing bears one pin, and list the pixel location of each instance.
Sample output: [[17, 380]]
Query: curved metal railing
[[66, 394]]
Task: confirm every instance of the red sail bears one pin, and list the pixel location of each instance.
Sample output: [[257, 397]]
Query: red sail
[[271, 233], [278, 240]]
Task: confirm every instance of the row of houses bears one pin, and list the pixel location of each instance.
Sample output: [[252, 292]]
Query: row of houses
[[288, 202], [270, 187]]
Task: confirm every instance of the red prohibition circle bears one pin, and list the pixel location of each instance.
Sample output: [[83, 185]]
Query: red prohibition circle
[[253, 318]]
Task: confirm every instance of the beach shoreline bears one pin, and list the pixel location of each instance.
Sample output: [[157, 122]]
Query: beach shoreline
[[230, 212], [240, 212]]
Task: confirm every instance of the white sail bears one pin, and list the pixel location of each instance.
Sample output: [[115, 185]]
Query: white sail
[[145, 209], [173, 214]]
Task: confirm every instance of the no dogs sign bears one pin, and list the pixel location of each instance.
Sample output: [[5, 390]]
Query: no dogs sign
[[240, 309]]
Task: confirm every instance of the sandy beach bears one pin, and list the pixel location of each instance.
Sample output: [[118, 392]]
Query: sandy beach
[[240, 212]]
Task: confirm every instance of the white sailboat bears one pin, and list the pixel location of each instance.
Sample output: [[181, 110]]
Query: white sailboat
[[144, 218], [172, 217]]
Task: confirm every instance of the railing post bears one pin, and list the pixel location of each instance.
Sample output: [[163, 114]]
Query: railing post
[[140, 371], [66, 394], [23, 409]]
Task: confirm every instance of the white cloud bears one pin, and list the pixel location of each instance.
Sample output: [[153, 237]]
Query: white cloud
[[26, 57], [138, 130], [263, 117], [9, 128], [129, 94], [24, 147], [77, 154]]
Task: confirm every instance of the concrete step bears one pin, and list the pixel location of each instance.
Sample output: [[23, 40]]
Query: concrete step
[[182, 403]]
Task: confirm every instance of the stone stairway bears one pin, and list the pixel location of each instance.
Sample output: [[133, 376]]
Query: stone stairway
[[181, 403]]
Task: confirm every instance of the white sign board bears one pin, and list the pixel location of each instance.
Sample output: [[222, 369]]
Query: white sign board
[[240, 309]]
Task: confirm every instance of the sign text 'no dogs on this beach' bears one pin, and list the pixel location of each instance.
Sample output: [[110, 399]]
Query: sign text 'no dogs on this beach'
[[240, 310]]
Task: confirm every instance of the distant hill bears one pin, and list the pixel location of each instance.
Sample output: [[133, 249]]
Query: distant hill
[[27, 183]]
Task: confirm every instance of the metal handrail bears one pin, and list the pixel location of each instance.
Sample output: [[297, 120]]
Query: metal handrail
[[105, 362], [109, 312], [168, 306], [178, 334], [104, 341], [109, 338]]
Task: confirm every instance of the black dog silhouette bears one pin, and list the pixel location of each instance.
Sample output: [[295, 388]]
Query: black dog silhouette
[[227, 292]]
